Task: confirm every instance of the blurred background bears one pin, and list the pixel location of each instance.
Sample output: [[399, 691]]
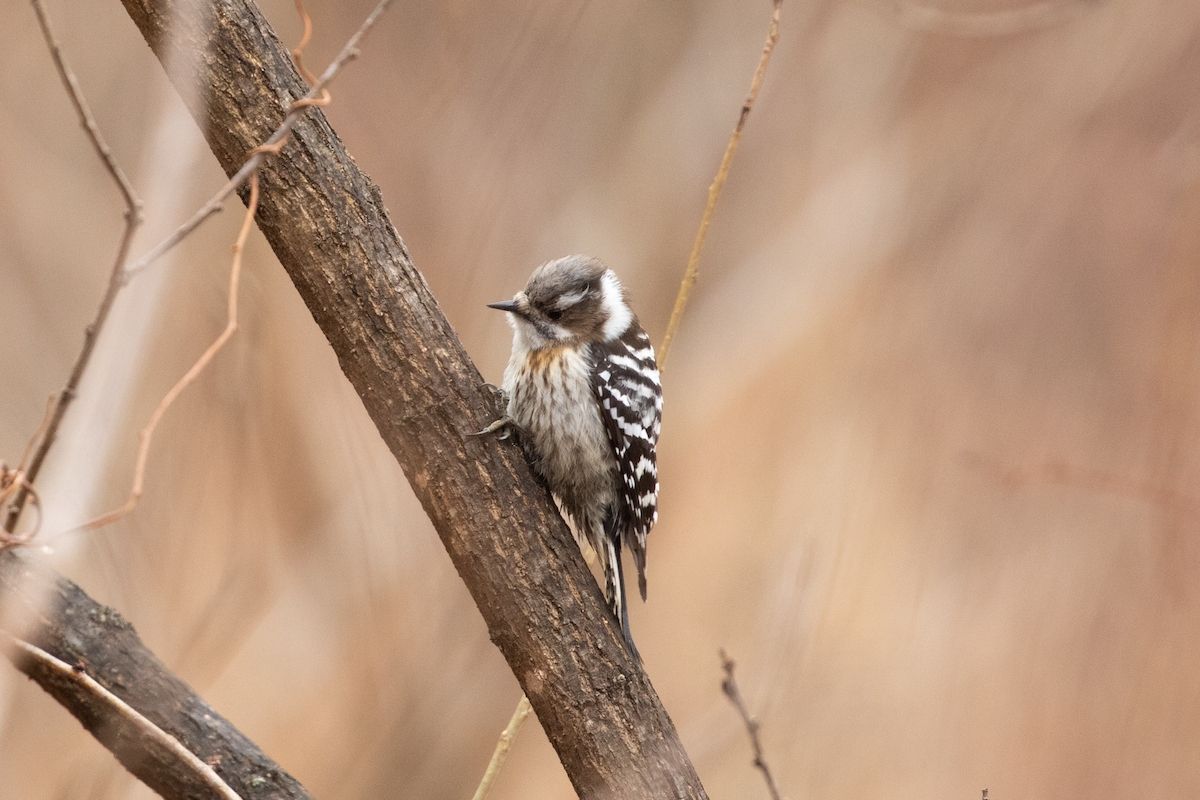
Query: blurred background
[[930, 450]]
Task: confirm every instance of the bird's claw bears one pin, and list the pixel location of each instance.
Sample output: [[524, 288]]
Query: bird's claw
[[496, 392], [503, 423]]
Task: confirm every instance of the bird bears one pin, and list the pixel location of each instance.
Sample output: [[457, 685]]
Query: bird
[[584, 393]]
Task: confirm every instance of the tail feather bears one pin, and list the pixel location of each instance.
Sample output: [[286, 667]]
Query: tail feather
[[614, 590]]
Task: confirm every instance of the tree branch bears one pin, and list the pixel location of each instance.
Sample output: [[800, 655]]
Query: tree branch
[[61, 621], [41, 660], [318, 94], [730, 687], [133, 218], [327, 224]]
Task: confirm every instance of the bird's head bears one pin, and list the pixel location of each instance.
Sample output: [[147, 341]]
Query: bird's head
[[575, 299]]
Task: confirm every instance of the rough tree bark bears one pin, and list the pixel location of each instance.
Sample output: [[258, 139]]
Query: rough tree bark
[[59, 618], [328, 225]]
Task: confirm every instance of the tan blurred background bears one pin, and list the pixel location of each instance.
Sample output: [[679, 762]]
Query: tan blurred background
[[930, 452]]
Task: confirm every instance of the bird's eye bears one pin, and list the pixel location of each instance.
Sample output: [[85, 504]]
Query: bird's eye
[[555, 315]]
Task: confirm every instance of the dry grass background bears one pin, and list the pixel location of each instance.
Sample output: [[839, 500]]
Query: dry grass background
[[930, 451]]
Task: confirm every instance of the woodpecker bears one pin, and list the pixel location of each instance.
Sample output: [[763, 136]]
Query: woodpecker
[[584, 392]]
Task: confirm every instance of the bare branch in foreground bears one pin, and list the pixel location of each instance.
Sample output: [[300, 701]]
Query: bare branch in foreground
[[187, 758], [730, 688], [328, 225], [57, 618], [133, 218], [87, 657], [271, 147], [316, 95]]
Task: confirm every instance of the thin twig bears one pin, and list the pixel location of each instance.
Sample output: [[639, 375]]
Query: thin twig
[[714, 191], [315, 96], [147, 433], [202, 771], [13, 481], [298, 52], [730, 688], [81, 108], [47, 415], [507, 736], [133, 218]]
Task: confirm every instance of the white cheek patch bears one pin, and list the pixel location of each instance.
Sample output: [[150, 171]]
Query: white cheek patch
[[527, 336], [568, 300], [617, 313]]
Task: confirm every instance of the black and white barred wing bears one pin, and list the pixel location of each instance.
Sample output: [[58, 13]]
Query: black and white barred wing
[[626, 382]]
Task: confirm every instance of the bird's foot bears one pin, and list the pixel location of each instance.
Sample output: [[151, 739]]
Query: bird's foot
[[506, 424]]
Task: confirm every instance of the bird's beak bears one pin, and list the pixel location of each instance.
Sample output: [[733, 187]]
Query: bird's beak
[[507, 305]]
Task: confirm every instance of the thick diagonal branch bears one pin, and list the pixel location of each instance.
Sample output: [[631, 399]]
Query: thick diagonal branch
[[328, 225]]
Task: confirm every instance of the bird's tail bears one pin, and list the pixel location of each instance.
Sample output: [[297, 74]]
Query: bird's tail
[[614, 590]]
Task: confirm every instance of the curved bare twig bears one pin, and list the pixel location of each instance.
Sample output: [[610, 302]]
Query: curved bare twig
[[133, 218]]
